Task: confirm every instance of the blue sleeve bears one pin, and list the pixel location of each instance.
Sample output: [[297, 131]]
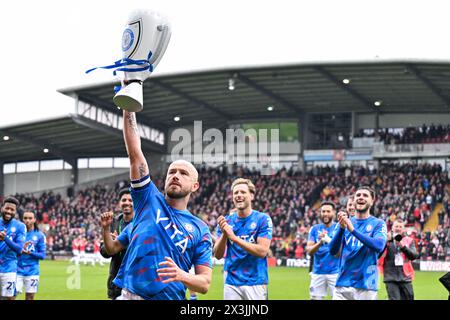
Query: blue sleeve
[[144, 192], [124, 236], [41, 249], [19, 240], [377, 242], [336, 242], [312, 234], [203, 250], [266, 228]]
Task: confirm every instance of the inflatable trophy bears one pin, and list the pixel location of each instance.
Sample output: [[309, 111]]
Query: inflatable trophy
[[144, 42]]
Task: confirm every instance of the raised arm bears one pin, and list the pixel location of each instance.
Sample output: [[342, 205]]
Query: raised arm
[[220, 246], [112, 247], [259, 249], [138, 163], [377, 242], [312, 246], [221, 243], [17, 243]]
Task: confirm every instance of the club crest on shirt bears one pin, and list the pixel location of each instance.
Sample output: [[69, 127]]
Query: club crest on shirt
[[13, 229], [369, 228], [189, 227], [34, 238], [253, 225]]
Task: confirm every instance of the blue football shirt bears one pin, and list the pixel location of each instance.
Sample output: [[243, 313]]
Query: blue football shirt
[[358, 263], [245, 269], [124, 236], [156, 231], [15, 231], [29, 263], [324, 262]]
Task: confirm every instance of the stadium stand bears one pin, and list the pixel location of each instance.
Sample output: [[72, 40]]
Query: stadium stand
[[423, 134], [408, 191]]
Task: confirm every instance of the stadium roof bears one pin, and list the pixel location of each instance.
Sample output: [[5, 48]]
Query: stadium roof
[[292, 90], [67, 138], [400, 86]]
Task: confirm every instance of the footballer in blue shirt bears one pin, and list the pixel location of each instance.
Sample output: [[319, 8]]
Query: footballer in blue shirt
[[12, 238], [164, 240], [245, 235], [326, 266], [358, 241], [33, 251]]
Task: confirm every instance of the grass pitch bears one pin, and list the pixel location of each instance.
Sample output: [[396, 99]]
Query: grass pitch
[[61, 280]]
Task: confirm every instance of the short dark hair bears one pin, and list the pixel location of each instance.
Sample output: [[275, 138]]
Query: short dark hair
[[328, 203], [11, 200], [124, 191], [371, 191]]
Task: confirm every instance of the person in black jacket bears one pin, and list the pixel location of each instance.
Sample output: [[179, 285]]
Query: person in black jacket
[[119, 224], [398, 270]]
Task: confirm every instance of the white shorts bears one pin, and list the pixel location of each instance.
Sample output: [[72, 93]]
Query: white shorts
[[8, 284], [127, 295], [320, 283], [349, 293], [31, 284], [257, 292], [75, 252]]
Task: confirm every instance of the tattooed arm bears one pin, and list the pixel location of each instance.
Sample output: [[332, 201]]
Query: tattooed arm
[[138, 164]]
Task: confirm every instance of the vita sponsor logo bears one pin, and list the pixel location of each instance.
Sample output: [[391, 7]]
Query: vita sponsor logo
[[169, 225]]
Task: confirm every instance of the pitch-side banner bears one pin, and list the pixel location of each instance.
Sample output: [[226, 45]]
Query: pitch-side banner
[[434, 265], [295, 263]]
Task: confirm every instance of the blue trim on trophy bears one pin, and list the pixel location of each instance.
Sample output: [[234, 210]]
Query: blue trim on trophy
[[128, 62]]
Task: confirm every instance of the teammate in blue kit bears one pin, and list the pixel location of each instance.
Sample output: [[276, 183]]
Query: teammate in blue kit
[[326, 266], [245, 235], [350, 206], [12, 238], [33, 251], [164, 240], [359, 241]]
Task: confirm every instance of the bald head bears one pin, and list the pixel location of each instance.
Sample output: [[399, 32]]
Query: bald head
[[186, 165], [181, 180]]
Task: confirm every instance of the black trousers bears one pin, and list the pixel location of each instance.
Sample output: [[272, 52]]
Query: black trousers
[[400, 290]]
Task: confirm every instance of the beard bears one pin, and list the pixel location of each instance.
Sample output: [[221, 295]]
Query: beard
[[6, 216], [364, 208], [242, 205], [171, 193], [326, 220], [127, 209]]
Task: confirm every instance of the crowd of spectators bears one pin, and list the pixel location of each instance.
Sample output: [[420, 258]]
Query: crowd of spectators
[[410, 135], [406, 191]]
